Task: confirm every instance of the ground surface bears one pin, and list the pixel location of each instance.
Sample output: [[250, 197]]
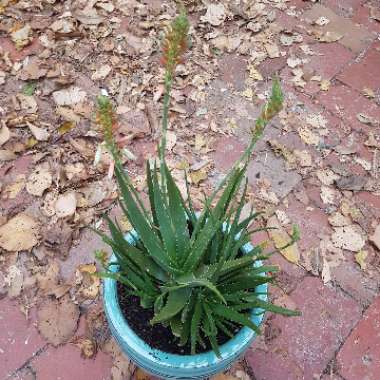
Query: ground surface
[[318, 166]]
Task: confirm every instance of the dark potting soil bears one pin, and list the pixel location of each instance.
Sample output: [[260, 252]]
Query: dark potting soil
[[157, 336]]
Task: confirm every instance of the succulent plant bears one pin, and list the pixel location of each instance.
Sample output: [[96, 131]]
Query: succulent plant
[[189, 267]]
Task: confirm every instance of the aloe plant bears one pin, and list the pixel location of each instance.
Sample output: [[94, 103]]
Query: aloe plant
[[189, 267]]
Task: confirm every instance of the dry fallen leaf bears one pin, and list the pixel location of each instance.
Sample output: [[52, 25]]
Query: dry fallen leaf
[[12, 190], [22, 36], [215, 15], [375, 238], [330, 37], [48, 280], [27, 103], [325, 85], [7, 155], [141, 375], [328, 195], [348, 237], [2, 76], [66, 205], [298, 78], [39, 180], [339, 220], [254, 73], [58, 320], [4, 134], [369, 120], [14, 280], [272, 50], [200, 141], [316, 120], [88, 16], [39, 133], [171, 140], [281, 238], [87, 347], [375, 13], [89, 283], [360, 259], [69, 96], [293, 62], [321, 21], [326, 272], [122, 367], [19, 234], [226, 43], [308, 136], [198, 176], [101, 72], [368, 92]]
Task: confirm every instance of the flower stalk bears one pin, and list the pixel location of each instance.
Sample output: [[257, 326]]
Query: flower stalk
[[173, 48]]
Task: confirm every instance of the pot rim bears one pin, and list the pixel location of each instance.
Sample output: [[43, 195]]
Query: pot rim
[[234, 347]]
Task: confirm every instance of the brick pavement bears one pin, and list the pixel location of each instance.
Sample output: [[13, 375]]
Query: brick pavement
[[338, 336]]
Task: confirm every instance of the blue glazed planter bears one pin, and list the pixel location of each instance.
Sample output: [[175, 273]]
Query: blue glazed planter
[[170, 366]]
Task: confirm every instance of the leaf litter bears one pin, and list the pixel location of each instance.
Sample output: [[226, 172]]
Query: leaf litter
[[50, 119]]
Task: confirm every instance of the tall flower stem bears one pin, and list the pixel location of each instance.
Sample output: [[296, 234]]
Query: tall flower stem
[[270, 110], [165, 117]]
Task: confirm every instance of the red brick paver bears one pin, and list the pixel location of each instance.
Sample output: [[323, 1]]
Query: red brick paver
[[302, 347], [19, 339], [359, 358], [347, 103], [354, 37], [65, 363], [362, 74]]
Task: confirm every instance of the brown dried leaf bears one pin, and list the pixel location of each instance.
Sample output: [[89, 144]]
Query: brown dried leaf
[[39, 180], [88, 16], [7, 155], [101, 72], [15, 280], [215, 15], [12, 190], [46, 281], [330, 36], [360, 259], [89, 283], [348, 237], [4, 135], [19, 234], [87, 347], [280, 239], [375, 13], [198, 176], [58, 320], [39, 133], [69, 96], [66, 205], [375, 238], [22, 36]]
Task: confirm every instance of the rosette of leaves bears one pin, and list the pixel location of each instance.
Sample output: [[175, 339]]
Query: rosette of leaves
[[189, 267]]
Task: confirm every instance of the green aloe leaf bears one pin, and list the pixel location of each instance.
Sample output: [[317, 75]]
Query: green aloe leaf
[[164, 220], [195, 322], [232, 315], [143, 228], [178, 214], [176, 301], [256, 302]]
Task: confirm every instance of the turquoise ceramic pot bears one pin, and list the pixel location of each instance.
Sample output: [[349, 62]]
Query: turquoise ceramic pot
[[169, 366]]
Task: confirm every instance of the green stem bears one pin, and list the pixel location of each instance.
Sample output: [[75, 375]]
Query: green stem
[[165, 122], [244, 158], [165, 116]]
